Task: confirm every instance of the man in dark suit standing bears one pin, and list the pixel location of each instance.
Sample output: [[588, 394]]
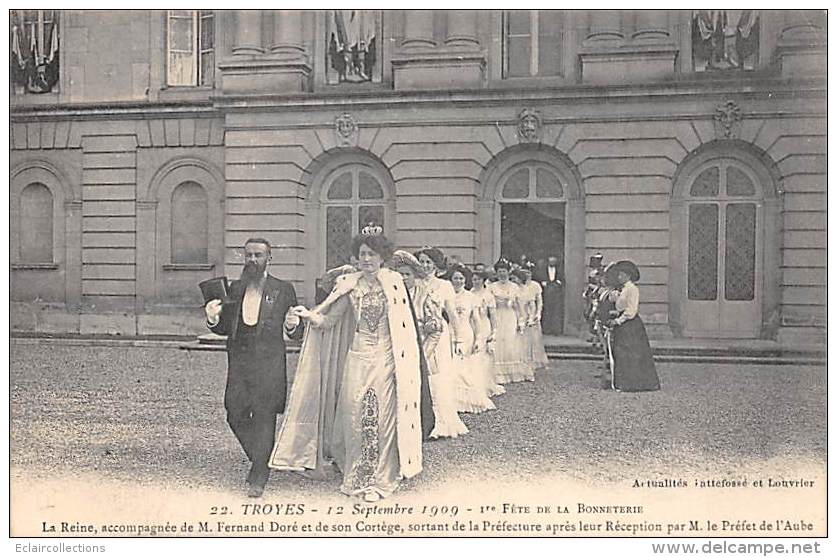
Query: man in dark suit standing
[[256, 321], [552, 282]]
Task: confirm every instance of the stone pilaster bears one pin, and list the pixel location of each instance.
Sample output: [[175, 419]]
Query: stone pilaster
[[802, 44], [248, 33], [146, 261], [652, 26], [287, 33], [422, 64], [284, 69], [418, 29], [617, 50], [462, 29]]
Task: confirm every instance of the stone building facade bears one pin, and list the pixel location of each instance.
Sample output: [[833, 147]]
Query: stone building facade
[[693, 143]]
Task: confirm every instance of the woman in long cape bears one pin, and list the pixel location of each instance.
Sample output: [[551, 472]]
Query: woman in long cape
[[356, 398]]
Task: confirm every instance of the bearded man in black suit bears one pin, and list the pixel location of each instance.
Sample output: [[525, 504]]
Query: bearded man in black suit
[[256, 321]]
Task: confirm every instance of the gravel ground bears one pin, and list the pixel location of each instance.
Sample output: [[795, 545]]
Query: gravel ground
[[154, 417]]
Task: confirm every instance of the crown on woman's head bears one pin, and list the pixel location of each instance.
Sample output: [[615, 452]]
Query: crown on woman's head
[[372, 229]]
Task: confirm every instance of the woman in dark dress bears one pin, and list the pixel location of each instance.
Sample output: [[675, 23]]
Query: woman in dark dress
[[632, 362]]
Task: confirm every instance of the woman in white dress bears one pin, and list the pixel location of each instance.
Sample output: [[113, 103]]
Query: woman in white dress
[[509, 364], [432, 299], [486, 325], [471, 386], [525, 337], [355, 398], [533, 294]]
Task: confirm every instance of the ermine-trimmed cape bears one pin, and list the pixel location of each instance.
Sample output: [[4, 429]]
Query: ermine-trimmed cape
[[304, 439]]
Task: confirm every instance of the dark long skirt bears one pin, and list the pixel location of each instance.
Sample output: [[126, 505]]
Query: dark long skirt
[[633, 362], [428, 418]]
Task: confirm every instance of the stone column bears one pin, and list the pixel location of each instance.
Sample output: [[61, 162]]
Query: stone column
[[418, 29], [652, 25], [287, 32], [462, 28], [248, 33], [605, 25]]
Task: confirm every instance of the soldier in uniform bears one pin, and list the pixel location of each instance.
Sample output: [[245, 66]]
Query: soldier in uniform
[[591, 295]]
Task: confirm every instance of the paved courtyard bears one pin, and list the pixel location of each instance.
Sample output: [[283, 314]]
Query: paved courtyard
[[150, 420]]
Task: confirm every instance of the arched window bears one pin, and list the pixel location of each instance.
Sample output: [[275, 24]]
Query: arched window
[[722, 233], [36, 226], [532, 182], [353, 197], [189, 222]]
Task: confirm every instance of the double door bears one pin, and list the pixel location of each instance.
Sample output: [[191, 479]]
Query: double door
[[724, 270]]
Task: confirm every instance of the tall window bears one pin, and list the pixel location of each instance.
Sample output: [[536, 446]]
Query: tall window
[[189, 224], [191, 47], [533, 44], [36, 210], [353, 198], [33, 50], [722, 233]]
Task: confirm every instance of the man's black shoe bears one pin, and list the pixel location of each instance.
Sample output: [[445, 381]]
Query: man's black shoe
[[254, 490]]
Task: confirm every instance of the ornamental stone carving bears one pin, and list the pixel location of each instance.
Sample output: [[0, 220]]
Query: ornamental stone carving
[[345, 130], [529, 126], [728, 120]]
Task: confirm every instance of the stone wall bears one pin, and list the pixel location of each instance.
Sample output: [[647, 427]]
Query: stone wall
[[622, 151]]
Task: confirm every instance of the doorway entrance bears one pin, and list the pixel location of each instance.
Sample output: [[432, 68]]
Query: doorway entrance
[[723, 247], [533, 205], [535, 230]]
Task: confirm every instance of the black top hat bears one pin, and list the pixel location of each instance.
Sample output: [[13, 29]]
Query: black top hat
[[595, 260], [629, 268]]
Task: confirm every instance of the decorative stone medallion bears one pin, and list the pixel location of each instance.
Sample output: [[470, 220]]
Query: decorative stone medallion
[[345, 130], [529, 126]]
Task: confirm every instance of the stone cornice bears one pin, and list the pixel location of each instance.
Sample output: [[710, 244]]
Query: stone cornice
[[113, 111], [675, 90], [596, 94]]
